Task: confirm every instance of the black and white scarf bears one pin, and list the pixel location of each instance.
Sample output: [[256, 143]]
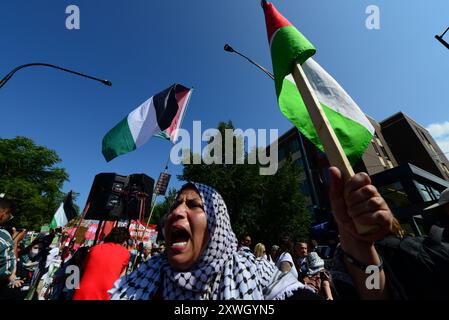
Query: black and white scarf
[[221, 272]]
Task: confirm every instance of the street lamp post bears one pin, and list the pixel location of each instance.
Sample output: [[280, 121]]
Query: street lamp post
[[440, 38], [313, 193], [228, 48], [9, 75]]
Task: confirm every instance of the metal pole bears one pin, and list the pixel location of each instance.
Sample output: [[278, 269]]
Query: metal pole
[[228, 48], [305, 160], [153, 205], [97, 233], [440, 38], [9, 75]]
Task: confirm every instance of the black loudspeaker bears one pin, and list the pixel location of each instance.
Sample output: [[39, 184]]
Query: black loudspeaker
[[106, 197], [140, 192], [115, 197]]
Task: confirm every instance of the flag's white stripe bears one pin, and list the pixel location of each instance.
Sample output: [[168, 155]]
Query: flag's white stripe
[[330, 93], [142, 122], [60, 217]]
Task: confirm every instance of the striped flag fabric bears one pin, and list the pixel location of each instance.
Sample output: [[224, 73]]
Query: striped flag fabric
[[161, 115], [288, 46], [65, 213], [59, 219]]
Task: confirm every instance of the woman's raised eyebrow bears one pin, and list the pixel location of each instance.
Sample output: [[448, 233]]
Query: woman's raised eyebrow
[[190, 199]]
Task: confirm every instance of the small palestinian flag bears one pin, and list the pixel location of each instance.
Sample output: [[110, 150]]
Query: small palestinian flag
[[288, 47]]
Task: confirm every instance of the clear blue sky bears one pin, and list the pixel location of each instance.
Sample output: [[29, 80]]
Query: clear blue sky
[[145, 46]]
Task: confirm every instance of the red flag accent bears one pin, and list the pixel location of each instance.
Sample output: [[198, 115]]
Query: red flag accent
[[274, 20]]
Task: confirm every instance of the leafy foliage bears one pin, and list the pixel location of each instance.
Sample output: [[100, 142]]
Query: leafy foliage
[[30, 178]]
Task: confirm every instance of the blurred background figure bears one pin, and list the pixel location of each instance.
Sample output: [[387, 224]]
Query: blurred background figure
[[104, 264], [259, 251], [313, 244], [245, 243], [285, 261], [10, 283], [300, 257], [317, 277], [162, 247], [154, 249], [274, 254], [60, 291]]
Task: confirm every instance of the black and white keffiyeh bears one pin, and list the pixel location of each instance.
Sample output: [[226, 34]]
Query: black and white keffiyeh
[[221, 272]]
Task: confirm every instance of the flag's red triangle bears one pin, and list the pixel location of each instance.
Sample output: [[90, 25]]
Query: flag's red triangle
[[274, 20]]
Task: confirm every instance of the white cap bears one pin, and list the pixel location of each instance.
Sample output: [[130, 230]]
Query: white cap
[[444, 198]]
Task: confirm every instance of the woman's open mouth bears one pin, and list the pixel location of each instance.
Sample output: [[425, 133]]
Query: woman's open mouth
[[179, 238]]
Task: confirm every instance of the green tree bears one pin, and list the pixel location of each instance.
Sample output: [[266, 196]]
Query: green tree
[[162, 208], [29, 177], [263, 206]]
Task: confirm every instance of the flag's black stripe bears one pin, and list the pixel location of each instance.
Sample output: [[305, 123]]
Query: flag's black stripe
[[69, 209], [166, 107]]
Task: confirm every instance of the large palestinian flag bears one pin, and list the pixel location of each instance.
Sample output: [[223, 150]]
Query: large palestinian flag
[[160, 115]]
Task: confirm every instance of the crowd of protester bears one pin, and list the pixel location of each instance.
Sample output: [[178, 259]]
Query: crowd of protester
[[201, 257]]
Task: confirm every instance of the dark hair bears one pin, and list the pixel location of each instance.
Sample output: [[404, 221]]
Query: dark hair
[[79, 256], [312, 245], [6, 204], [286, 243], [243, 237], [118, 235]]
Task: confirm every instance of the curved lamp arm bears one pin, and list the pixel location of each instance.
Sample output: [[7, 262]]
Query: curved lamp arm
[[9, 75]]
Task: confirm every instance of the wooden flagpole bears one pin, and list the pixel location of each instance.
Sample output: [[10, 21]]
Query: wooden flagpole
[[328, 138]]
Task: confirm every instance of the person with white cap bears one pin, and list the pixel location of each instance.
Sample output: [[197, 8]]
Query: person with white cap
[[439, 231], [317, 276]]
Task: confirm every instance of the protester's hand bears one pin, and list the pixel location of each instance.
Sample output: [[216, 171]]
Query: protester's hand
[[358, 201], [18, 236], [15, 282]]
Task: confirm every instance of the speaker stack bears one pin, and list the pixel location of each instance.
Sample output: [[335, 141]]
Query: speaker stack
[[115, 197]]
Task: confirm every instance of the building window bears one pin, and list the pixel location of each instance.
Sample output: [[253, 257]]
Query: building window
[[385, 154], [425, 192], [375, 148], [390, 164], [298, 162], [294, 145], [379, 142], [395, 195], [445, 169], [436, 193], [382, 161], [282, 154], [429, 145]]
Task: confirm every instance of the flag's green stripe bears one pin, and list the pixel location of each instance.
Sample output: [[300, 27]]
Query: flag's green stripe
[[118, 140], [162, 135], [353, 136], [53, 223], [288, 47]]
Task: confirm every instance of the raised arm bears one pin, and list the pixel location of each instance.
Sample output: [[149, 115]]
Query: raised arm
[[357, 200]]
